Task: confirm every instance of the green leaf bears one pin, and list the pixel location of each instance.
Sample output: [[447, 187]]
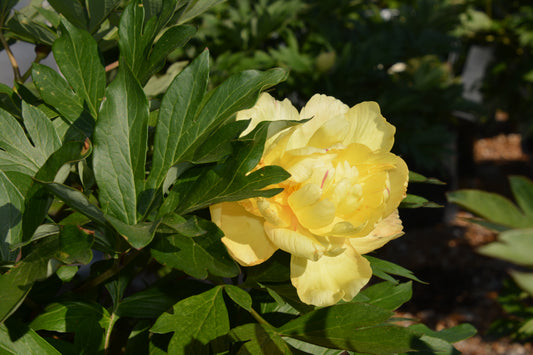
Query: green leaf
[[522, 189], [74, 11], [218, 145], [524, 280], [350, 326], [56, 92], [259, 339], [11, 207], [188, 227], [195, 320], [76, 54], [37, 200], [17, 153], [120, 143], [382, 269], [29, 343], [388, 295], [67, 247], [77, 201], [414, 201], [228, 181], [450, 335], [174, 37], [239, 296], [195, 8], [138, 235], [68, 316], [137, 33], [196, 256], [41, 130], [67, 272], [10, 101], [492, 207], [512, 245], [31, 31], [149, 303], [98, 10], [415, 177], [176, 117]]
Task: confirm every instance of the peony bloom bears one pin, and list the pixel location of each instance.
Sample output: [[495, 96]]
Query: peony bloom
[[339, 203]]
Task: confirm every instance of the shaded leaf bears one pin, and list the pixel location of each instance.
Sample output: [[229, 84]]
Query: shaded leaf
[[29, 343], [350, 326], [524, 280], [197, 319], [259, 339], [98, 10], [415, 177], [68, 316], [72, 10], [11, 208], [382, 269], [67, 247], [196, 256], [414, 201], [239, 296]]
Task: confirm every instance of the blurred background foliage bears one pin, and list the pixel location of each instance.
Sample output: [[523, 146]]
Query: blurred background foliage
[[408, 56]]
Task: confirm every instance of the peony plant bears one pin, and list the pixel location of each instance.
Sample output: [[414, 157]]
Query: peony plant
[[106, 242], [339, 203]]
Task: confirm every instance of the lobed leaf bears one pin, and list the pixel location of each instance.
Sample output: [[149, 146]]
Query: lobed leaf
[[28, 343], [195, 321], [259, 339]]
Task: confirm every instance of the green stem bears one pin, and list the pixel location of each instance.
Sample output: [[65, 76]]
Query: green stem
[[12, 60], [109, 329], [109, 273], [259, 319]]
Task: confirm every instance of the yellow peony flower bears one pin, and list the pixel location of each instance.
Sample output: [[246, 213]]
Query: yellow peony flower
[[339, 203]]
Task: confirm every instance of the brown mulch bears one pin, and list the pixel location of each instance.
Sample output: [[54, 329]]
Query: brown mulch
[[463, 286]]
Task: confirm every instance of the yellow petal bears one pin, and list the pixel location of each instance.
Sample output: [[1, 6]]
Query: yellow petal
[[269, 109], [330, 279], [388, 229], [244, 234], [297, 242], [398, 179], [320, 108], [369, 127], [330, 133], [311, 210]]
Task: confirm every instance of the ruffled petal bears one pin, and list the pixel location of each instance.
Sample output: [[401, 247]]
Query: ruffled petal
[[320, 108], [328, 280], [369, 127], [269, 109], [244, 234], [388, 229]]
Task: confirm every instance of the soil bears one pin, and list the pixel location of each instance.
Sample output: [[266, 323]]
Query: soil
[[440, 248]]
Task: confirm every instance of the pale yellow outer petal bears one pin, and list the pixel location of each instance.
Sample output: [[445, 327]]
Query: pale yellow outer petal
[[369, 127], [268, 109], [320, 108], [244, 234], [388, 229], [330, 279], [398, 179]]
